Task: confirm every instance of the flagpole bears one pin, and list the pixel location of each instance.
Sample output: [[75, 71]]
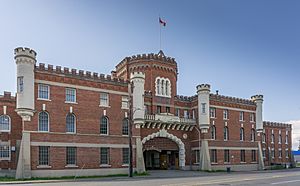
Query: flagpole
[[159, 36]]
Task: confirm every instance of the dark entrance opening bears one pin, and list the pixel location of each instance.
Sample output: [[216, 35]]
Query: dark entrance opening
[[163, 160]]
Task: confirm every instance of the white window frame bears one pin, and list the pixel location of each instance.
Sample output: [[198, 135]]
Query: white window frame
[[273, 153], [125, 102], [225, 114], [68, 156], [75, 96], [163, 87], [9, 123], [203, 108], [212, 112], [185, 114], [241, 116], [48, 122], [104, 99], [280, 153], [3, 145], [287, 153], [48, 92], [108, 156], [252, 117], [74, 123]]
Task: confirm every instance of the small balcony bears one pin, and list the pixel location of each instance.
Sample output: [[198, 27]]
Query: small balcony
[[168, 121]]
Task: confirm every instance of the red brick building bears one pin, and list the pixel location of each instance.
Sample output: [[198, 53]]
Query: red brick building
[[69, 122]]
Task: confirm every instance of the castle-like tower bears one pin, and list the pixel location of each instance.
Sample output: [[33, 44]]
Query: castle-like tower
[[25, 60]]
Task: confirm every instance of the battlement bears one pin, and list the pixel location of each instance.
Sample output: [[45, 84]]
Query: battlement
[[203, 87], [7, 96], [277, 124], [222, 98], [257, 97], [186, 98], [79, 74], [137, 75], [25, 52], [157, 57]]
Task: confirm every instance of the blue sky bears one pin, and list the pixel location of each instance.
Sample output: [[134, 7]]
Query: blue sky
[[241, 48]]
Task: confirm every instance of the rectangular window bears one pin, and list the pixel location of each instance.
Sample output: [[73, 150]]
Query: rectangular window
[[272, 138], [273, 153], [241, 116], [43, 155], [279, 153], [203, 108], [252, 118], [43, 91], [71, 95], [125, 156], [104, 155], [286, 153], [20, 84], [71, 156], [158, 109], [243, 156], [177, 112], [213, 154], [226, 156], [193, 114], [197, 154], [104, 99], [263, 138], [168, 110], [212, 112], [279, 139], [286, 137], [125, 103], [264, 153], [253, 155], [4, 152], [225, 114], [185, 114]]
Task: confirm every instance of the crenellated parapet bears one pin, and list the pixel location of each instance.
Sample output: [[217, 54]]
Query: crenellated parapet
[[277, 124], [185, 98], [23, 52], [6, 96], [87, 75], [228, 99], [157, 57]]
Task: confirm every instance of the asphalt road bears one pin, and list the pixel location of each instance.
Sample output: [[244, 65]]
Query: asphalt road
[[191, 178]]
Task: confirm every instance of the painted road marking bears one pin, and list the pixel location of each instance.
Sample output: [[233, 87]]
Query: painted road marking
[[282, 182]]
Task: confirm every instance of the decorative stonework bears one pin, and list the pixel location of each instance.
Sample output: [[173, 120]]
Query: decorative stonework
[[163, 133]]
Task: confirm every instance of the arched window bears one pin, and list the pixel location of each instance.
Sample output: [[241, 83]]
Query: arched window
[[4, 123], [158, 86], [71, 123], [167, 87], [125, 128], [104, 125], [264, 138], [272, 138], [242, 134], [252, 135], [213, 132], [43, 121], [226, 133], [162, 87]]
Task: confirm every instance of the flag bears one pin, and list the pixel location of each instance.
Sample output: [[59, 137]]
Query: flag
[[162, 22]]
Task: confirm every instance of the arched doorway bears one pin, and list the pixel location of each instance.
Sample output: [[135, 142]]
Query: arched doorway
[[162, 157]]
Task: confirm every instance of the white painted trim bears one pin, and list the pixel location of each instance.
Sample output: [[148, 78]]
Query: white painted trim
[[4, 110], [6, 143], [228, 148], [9, 124], [62, 144], [80, 87], [39, 92], [235, 109]]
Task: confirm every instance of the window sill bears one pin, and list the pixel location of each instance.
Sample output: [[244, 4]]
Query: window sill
[[105, 165], [43, 131], [44, 167], [125, 135], [70, 132], [42, 99], [6, 131], [214, 163], [225, 119], [103, 134], [71, 166], [5, 159], [105, 106], [227, 163], [242, 162], [125, 165], [70, 102], [124, 108]]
